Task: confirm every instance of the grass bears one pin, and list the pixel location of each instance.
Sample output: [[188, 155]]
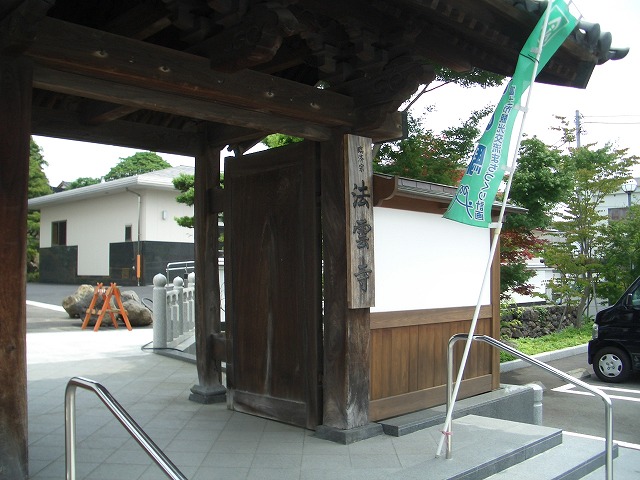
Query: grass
[[569, 337]]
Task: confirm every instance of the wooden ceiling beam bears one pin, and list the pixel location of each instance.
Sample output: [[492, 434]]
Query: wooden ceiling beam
[[64, 124], [94, 113], [101, 55], [140, 21], [143, 98]]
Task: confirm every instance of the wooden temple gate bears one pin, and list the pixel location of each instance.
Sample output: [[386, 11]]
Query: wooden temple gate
[[194, 76]]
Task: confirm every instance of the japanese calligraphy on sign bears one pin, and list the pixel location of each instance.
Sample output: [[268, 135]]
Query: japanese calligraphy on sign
[[359, 200]]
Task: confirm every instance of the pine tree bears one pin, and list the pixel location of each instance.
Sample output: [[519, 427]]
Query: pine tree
[[38, 186]]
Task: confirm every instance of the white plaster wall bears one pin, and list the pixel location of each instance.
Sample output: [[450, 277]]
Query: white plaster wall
[[46, 217], [92, 224], [540, 282], [166, 230], [425, 261]]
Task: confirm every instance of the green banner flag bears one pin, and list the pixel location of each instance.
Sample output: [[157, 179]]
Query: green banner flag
[[479, 185]]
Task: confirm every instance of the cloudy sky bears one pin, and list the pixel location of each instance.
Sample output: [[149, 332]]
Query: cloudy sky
[[610, 105]]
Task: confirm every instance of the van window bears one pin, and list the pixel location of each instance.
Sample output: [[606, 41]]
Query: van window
[[635, 298]]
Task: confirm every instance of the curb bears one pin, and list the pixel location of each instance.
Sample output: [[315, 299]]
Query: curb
[[544, 357]]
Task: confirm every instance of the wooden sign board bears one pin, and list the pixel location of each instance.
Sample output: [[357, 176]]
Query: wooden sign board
[[359, 199]]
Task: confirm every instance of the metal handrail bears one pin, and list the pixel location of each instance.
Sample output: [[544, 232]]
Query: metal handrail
[[123, 417], [186, 266], [608, 406]]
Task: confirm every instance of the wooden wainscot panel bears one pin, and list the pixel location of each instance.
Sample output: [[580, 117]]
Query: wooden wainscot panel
[[409, 358], [430, 397], [414, 358]]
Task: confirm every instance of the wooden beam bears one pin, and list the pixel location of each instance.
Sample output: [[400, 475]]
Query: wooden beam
[[15, 109], [392, 128], [231, 135], [65, 124], [251, 42], [141, 97], [95, 113], [391, 86], [60, 124], [140, 21], [105, 56]]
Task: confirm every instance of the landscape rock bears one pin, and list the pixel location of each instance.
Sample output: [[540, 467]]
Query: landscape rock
[[537, 321], [138, 314], [76, 306]]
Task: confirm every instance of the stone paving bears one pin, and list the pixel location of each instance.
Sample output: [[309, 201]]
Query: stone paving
[[203, 441]]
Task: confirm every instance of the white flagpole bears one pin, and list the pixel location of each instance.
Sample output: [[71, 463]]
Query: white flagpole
[[446, 432]]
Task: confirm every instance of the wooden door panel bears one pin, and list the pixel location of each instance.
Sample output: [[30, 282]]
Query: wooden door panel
[[273, 266]]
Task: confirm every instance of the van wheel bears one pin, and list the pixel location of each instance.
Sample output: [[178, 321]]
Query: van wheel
[[612, 365]]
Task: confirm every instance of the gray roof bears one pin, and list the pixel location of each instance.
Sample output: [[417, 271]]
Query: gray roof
[[160, 179]]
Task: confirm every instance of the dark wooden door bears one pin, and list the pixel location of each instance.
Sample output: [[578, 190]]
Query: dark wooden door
[[272, 276]]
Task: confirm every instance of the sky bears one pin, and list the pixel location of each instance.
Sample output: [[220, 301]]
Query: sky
[[609, 106]]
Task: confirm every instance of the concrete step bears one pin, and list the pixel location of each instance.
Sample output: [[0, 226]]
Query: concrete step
[[491, 441], [482, 447], [574, 459], [626, 466], [509, 402]]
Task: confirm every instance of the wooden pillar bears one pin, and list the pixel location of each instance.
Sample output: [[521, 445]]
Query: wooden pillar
[[209, 341], [346, 331], [15, 127]]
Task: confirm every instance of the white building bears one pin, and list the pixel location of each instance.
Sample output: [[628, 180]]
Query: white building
[[615, 205], [122, 231]]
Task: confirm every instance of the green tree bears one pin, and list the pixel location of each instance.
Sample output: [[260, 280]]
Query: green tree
[[425, 155], [539, 184], [469, 78], [276, 140], [619, 246], [595, 173], [83, 182], [38, 186], [136, 164], [186, 185], [38, 182]]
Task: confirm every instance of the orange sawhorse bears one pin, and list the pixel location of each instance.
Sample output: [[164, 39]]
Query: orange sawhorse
[[106, 294]]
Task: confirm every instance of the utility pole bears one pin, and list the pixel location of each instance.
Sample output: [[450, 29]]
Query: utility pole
[[578, 127]]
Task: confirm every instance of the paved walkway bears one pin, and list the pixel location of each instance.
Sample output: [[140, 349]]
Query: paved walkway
[[204, 441]]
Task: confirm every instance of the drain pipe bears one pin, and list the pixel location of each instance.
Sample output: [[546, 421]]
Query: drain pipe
[[138, 257]]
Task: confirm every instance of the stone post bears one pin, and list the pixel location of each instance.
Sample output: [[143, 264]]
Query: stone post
[[159, 311], [178, 286]]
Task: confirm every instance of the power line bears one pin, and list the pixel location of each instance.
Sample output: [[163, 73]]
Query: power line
[[616, 123], [610, 116]]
